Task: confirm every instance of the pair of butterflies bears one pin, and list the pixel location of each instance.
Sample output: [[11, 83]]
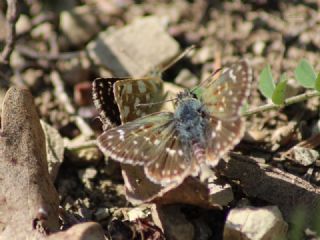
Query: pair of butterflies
[[172, 145]]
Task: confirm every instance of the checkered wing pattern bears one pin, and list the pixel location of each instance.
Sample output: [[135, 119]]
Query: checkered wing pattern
[[104, 101], [224, 98], [130, 92], [150, 141]]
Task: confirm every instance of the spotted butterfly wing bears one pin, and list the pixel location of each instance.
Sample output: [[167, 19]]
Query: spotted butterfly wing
[[224, 98], [150, 141], [131, 92]]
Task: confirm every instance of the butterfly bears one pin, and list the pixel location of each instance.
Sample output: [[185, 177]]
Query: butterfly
[[113, 97], [173, 145]]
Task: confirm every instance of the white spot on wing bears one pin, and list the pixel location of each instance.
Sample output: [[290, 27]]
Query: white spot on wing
[[170, 151]]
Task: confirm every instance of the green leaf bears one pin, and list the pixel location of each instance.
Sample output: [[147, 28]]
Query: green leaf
[[266, 83], [317, 84], [305, 74], [279, 94]]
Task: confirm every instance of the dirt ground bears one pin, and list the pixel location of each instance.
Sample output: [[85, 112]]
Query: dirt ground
[[48, 54]]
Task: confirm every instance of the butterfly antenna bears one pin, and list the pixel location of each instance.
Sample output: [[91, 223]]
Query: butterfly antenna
[[207, 79], [178, 58], [155, 103]]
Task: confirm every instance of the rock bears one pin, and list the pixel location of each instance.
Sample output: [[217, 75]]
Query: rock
[[23, 24], [29, 201], [134, 50], [102, 214], [186, 78], [82, 156], [304, 156], [220, 195], [172, 222], [255, 223], [54, 147], [33, 78], [204, 54], [81, 231], [87, 175], [139, 212], [42, 31], [259, 47], [75, 70], [79, 25]]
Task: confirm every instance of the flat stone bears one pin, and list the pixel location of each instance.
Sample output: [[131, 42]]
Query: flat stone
[[221, 195], [79, 25], [304, 156], [134, 50], [54, 148], [252, 223], [186, 78]]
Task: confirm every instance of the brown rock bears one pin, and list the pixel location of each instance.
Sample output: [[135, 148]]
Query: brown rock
[[172, 222], [29, 201], [81, 231]]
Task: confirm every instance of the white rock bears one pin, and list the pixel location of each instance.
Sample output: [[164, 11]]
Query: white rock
[[304, 156], [79, 25], [252, 223], [134, 50], [186, 78]]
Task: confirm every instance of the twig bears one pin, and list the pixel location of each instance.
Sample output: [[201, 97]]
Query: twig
[[12, 17], [63, 97], [289, 101], [80, 146], [33, 54]]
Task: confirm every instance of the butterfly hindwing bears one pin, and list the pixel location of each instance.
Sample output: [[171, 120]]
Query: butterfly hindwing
[[104, 101], [131, 92], [172, 163]]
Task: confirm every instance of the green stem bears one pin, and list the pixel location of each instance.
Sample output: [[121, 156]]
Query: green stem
[[287, 102]]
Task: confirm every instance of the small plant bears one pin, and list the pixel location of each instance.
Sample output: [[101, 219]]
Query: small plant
[[276, 91]]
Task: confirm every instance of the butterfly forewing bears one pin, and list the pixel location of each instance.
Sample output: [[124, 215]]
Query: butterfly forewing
[[225, 96], [128, 143], [150, 141], [131, 92]]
